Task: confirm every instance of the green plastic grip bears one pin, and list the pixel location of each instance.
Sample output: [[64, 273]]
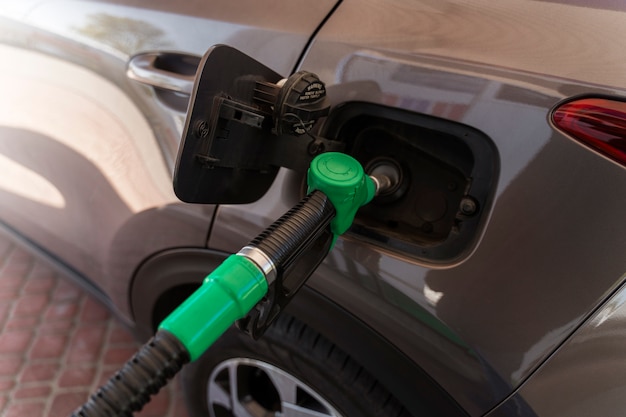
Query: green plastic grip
[[343, 180], [225, 296]]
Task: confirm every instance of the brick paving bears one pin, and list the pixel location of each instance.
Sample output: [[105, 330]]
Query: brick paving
[[57, 344]]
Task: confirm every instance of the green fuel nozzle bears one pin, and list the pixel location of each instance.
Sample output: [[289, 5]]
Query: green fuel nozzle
[[250, 288], [342, 179]]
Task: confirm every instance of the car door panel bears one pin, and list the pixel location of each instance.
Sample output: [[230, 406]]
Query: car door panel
[[92, 176]]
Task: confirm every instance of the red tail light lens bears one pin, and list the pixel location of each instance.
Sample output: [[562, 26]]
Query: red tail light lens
[[599, 123]]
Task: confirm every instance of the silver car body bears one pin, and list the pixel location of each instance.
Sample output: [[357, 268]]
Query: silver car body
[[526, 322]]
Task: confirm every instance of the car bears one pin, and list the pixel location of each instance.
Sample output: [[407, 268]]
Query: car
[[488, 282]]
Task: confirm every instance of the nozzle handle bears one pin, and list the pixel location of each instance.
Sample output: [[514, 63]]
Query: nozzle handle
[[291, 249]]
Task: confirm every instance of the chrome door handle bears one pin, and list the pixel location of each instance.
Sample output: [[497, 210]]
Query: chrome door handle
[[167, 70]]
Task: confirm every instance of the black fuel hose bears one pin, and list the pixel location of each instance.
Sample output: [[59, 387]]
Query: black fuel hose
[[141, 377]]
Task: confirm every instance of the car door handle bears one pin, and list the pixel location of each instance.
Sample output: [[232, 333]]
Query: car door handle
[[171, 71]]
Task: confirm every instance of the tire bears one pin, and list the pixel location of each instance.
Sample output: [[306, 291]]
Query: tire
[[292, 369]]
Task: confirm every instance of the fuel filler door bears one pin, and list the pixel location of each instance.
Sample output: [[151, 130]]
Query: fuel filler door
[[244, 122]]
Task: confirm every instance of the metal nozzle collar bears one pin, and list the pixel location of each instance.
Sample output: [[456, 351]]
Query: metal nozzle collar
[[260, 259]]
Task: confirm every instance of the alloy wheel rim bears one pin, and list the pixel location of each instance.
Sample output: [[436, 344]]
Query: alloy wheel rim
[[243, 387]]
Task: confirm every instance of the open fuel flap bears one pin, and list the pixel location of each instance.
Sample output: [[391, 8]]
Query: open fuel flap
[[246, 121]]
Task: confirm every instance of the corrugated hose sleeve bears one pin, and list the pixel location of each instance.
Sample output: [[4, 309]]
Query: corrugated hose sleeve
[[281, 240], [141, 377]]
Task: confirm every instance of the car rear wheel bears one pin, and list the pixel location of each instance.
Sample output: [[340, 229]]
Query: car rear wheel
[[291, 371], [249, 387]]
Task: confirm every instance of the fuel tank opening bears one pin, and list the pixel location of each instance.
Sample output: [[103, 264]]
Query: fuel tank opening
[[436, 179], [389, 177]]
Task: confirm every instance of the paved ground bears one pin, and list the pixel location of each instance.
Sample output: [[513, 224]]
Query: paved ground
[[57, 344]]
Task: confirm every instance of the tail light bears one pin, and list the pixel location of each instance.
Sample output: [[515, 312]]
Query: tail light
[[599, 123]]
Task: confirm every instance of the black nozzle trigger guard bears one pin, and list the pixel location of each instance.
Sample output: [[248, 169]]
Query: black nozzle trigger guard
[[289, 280]]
